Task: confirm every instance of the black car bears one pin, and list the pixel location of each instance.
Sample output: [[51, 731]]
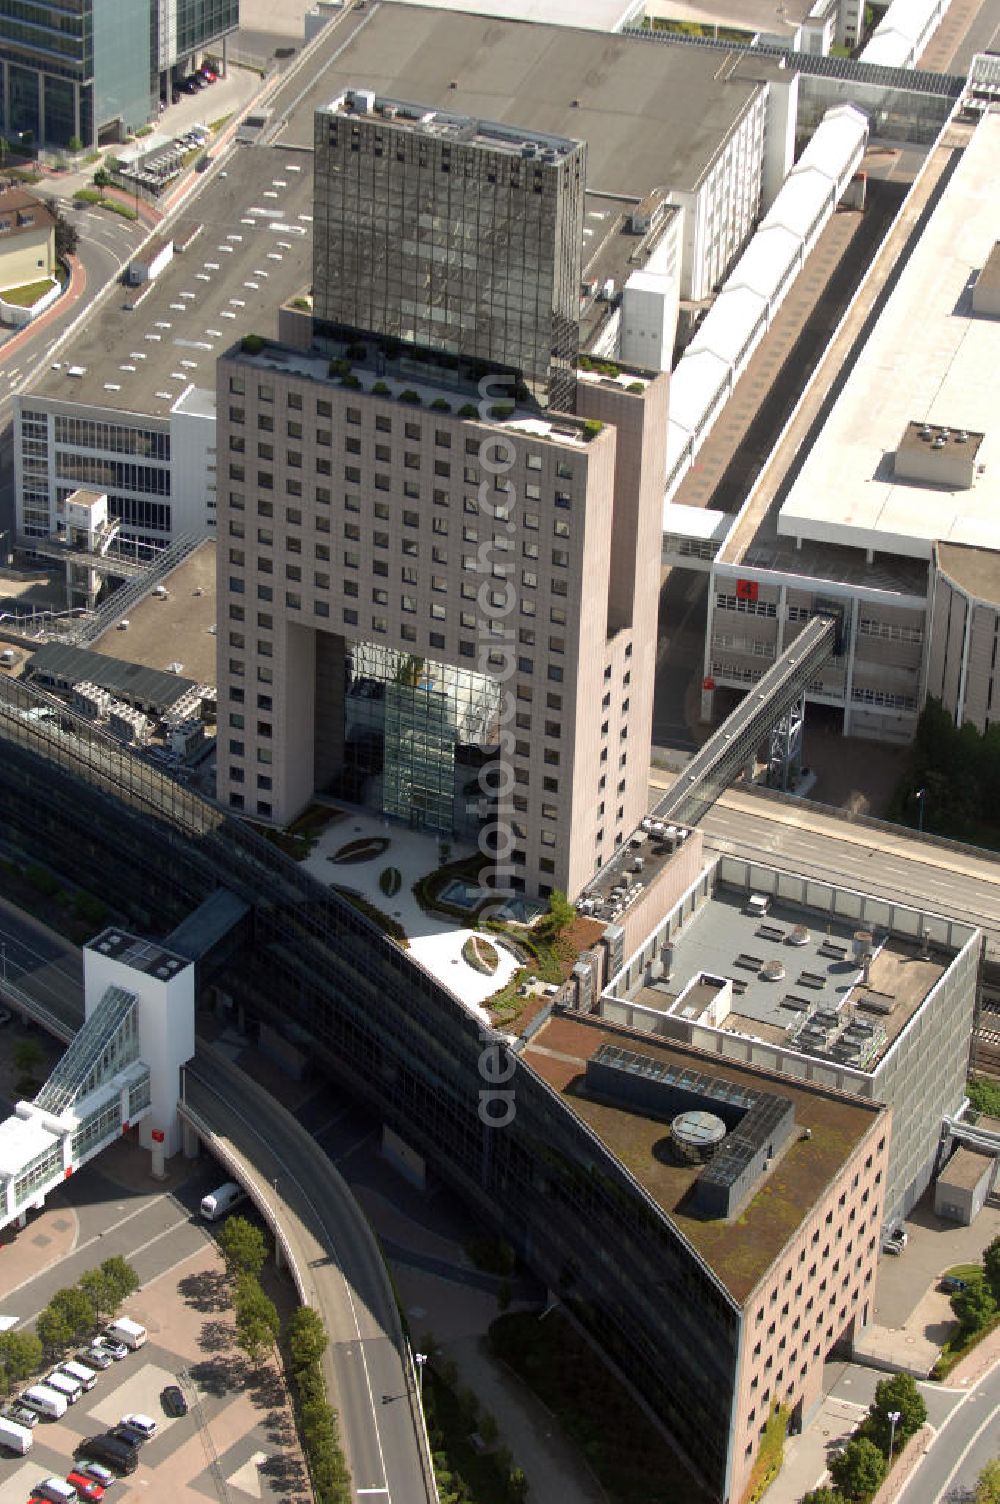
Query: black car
[[127, 1436], [113, 1452], [173, 1401]]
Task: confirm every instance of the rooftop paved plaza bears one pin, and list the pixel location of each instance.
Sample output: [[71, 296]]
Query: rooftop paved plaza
[[435, 943]]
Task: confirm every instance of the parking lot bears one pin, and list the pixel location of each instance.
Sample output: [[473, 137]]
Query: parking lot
[[238, 1440]]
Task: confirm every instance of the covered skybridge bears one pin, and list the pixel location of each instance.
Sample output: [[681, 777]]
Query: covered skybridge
[[98, 1090], [771, 711]]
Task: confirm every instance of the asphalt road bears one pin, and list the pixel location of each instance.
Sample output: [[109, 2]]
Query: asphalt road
[[340, 1266], [967, 1440], [895, 866]]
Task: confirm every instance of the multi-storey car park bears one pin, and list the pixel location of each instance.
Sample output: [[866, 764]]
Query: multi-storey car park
[[892, 515], [684, 151]]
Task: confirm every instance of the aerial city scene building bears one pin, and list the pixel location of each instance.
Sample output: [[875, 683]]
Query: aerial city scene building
[[499, 604]]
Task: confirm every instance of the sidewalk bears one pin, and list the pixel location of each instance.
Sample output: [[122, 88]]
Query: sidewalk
[[553, 1467]]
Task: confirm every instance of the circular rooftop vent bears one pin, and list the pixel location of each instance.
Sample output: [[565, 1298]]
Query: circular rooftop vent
[[798, 935], [772, 971], [696, 1134]]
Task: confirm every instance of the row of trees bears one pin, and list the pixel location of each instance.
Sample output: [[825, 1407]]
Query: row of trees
[[958, 769], [859, 1468], [72, 1315], [75, 1312], [245, 1250]]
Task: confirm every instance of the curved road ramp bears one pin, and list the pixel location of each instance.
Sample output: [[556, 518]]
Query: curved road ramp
[[338, 1270]]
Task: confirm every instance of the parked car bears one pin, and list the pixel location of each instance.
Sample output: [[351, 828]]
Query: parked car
[[143, 1425], [21, 1415], [130, 1440], [116, 1349], [949, 1282], [173, 1401], [95, 1470], [95, 1357], [86, 1488]]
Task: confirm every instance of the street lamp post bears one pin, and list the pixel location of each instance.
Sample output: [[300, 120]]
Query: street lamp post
[[420, 1359], [893, 1418], [920, 796]]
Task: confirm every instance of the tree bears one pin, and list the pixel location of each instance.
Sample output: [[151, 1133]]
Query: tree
[[991, 1268], [974, 1306], [257, 1322], [28, 1056], [67, 239], [858, 1469], [99, 1291], [822, 1496], [988, 1484], [20, 1355], [54, 1331], [560, 915], [122, 1280], [901, 1395], [306, 1337], [243, 1246], [76, 1309]]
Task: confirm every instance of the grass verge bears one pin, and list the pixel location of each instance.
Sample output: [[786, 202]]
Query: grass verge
[[959, 1346], [29, 293]]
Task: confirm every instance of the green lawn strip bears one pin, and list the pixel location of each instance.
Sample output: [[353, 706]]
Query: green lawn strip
[[29, 293], [629, 1456], [966, 1271], [959, 1347]]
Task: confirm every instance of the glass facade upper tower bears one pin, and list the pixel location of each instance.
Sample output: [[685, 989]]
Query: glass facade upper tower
[[453, 234]]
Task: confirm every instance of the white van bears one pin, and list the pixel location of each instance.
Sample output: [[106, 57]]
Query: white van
[[132, 1333], [217, 1203], [15, 1438], [63, 1384], [45, 1400], [85, 1377], [57, 1490]]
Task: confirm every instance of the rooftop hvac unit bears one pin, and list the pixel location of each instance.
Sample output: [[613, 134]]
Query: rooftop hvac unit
[[637, 865], [798, 935], [772, 971], [961, 437]]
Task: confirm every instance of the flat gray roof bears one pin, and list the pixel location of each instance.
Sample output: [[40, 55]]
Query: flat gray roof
[[652, 116], [929, 358], [176, 628], [819, 970], [975, 570]]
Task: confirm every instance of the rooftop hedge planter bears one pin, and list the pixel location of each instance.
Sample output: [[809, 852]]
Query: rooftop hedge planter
[[379, 389], [592, 427], [468, 410], [441, 405], [410, 396], [635, 386], [252, 344], [340, 368], [350, 380]]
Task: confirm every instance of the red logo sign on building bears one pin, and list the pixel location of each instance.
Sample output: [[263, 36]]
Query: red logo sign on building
[[747, 590]]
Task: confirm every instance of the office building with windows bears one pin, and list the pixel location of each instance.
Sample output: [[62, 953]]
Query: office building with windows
[[94, 69], [454, 234], [408, 593]]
